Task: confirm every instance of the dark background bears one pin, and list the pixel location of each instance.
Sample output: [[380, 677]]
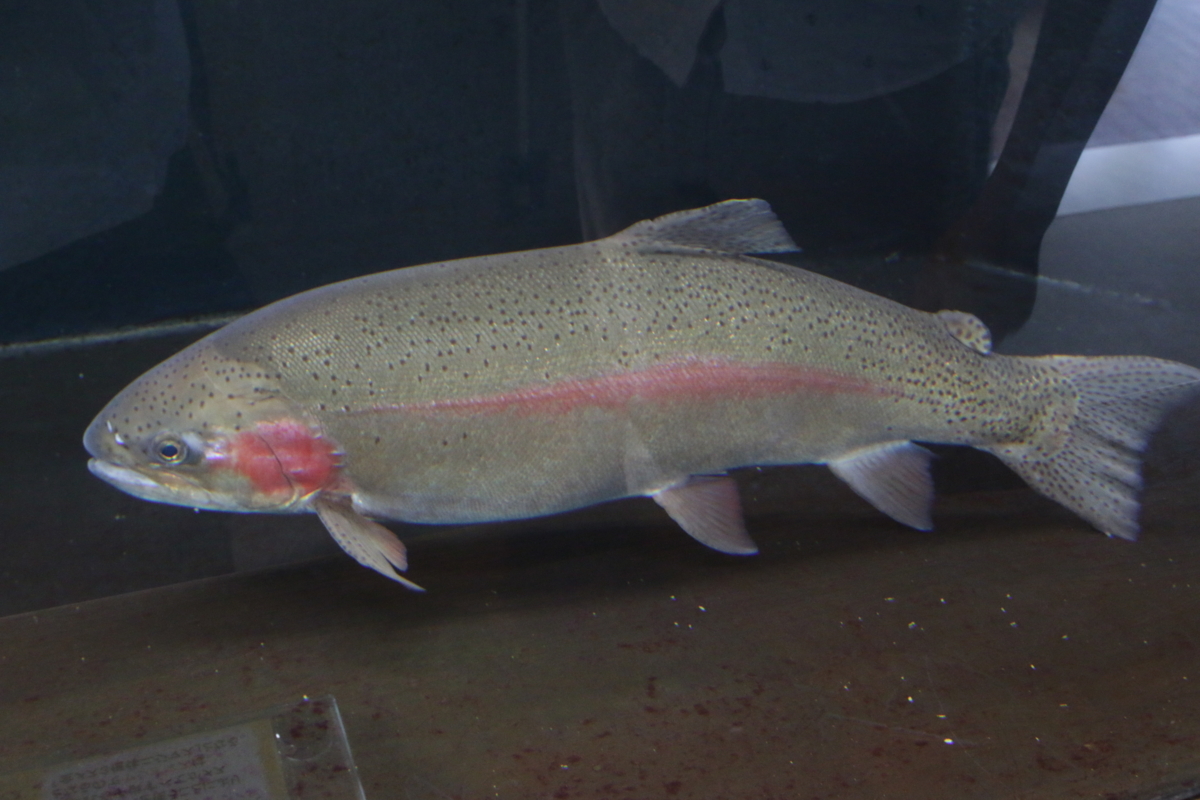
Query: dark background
[[169, 160]]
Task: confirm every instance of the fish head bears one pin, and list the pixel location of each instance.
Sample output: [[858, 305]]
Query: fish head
[[205, 431]]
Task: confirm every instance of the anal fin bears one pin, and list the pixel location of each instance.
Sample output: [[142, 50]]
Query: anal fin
[[366, 541], [709, 509], [894, 477]]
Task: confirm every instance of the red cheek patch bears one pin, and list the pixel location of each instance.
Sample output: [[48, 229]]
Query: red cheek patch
[[283, 457], [308, 460]]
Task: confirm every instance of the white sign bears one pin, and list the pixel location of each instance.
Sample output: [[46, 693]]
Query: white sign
[[229, 764]]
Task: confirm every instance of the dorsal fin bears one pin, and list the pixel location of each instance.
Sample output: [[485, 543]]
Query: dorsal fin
[[968, 329], [734, 226]]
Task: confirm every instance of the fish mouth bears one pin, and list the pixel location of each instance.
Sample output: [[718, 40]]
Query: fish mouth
[[168, 488]]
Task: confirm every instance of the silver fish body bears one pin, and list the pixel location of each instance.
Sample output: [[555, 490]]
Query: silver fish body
[[647, 363]]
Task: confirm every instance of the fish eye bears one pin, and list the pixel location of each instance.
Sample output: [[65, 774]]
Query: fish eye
[[170, 450]]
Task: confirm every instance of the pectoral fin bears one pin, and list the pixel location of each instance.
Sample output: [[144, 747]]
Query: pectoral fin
[[709, 509], [367, 542], [894, 477]]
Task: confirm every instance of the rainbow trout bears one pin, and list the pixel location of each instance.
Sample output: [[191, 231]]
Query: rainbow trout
[[648, 363]]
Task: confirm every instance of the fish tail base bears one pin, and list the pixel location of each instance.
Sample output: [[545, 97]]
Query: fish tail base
[[1088, 457]]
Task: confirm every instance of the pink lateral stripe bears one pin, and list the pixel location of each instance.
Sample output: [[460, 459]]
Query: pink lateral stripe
[[691, 380]]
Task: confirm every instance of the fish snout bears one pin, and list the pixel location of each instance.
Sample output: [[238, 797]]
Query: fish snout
[[103, 441], [96, 439]]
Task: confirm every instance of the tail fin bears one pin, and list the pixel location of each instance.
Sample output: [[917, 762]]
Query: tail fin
[[1095, 469]]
